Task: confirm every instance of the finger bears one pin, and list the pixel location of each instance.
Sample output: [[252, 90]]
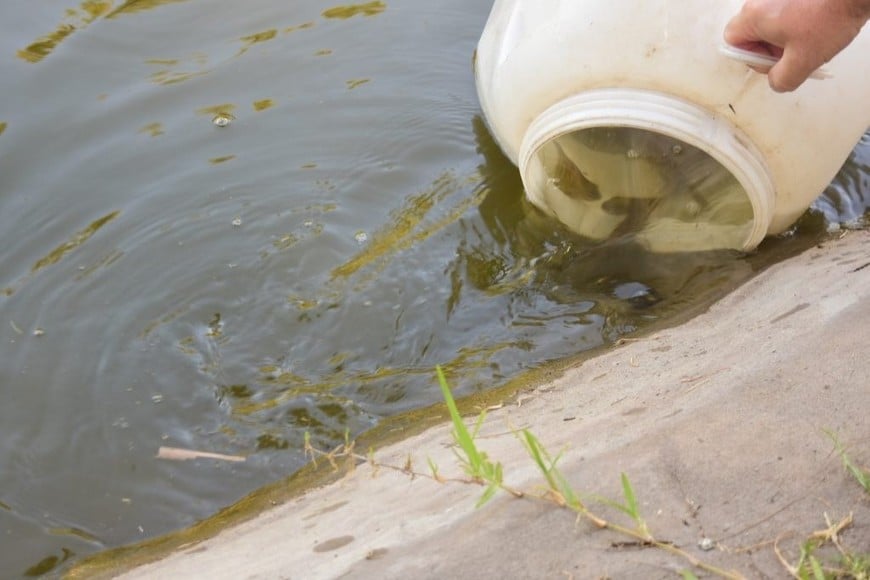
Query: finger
[[791, 71], [738, 32]]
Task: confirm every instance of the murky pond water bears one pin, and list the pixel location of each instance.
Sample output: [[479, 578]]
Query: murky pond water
[[225, 224]]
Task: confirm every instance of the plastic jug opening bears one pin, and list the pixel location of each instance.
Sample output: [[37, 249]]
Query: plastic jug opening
[[615, 163]]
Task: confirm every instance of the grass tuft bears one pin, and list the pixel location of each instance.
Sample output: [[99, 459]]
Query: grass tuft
[[475, 462]]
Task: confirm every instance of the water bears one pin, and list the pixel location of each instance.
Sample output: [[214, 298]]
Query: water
[[612, 182], [167, 281]]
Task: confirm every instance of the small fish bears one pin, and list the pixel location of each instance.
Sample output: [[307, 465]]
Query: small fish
[[570, 179]]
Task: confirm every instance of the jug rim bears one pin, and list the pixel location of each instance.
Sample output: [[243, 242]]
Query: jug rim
[[667, 115]]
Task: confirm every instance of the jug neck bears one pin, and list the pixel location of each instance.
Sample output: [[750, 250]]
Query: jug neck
[[667, 115]]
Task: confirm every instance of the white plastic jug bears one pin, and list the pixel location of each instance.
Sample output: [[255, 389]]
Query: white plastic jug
[[632, 117]]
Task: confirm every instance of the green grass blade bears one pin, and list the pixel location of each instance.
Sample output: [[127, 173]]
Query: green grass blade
[[818, 573], [861, 476], [547, 466], [630, 499], [433, 468], [460, 431], [614, 504], [540, 456], [806, 554], [478, 424], [568, 492], [487, 495], [688, 575]]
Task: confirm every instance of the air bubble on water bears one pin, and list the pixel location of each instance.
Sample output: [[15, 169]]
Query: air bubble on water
[[156, 399], [237, 222], [677, 149], [361, 237], [121, 423], [222, 120], [632, 154]]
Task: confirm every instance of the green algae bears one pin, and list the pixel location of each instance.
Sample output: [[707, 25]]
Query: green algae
[[256, 38], [393, 236], [77, 19], [354, 83], [133, 6], [222, 109], [153, 129], [57, 254], [351, 10], [45, 45], [303, 26], [171, 78]]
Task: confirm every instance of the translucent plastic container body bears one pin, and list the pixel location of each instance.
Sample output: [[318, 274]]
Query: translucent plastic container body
[[629, 118]]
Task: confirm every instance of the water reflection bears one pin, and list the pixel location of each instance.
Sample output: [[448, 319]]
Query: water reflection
[[844, 203], [301, 269]]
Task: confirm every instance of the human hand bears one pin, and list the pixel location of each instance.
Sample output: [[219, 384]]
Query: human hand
[[804, 34]]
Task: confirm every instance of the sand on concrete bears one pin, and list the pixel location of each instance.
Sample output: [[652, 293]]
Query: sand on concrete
[[718, 423]]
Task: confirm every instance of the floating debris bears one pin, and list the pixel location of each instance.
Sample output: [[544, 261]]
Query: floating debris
[[177, 454], [361, 237], [38, 332], [237, 222]]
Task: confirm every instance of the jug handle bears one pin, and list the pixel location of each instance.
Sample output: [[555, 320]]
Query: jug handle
[[762, 61]]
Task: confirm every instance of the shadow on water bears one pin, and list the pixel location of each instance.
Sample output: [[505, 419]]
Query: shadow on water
[[200, 253]]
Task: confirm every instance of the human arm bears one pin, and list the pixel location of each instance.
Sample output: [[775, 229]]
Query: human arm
[[804, 33]]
